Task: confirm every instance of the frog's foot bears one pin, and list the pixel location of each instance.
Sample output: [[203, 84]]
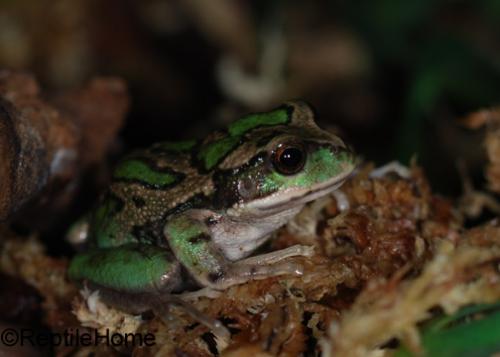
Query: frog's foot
[[393, 166], [218, 329], [201, 293], [262, 266], [279, 255], [242, 272]]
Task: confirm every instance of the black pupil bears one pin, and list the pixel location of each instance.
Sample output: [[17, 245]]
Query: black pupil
[[291, 158]]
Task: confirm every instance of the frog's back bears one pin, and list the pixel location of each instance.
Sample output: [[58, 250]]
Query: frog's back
[[152, 184], [148, 186]]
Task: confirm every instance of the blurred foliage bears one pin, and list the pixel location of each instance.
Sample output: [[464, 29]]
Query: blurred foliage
[[441, 58], [471, 331], [447, 55]]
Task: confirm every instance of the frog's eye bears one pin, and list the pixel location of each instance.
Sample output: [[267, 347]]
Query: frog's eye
[[289, 159]]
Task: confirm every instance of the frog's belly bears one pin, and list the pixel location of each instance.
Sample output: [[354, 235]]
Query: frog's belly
[[237, 239]]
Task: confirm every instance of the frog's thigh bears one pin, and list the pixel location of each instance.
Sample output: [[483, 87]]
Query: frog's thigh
[[191, 243], [129, 268]]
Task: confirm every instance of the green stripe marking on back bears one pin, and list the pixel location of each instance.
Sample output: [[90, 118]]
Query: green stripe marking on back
[[212, 153], [140, 171], [252, 121]]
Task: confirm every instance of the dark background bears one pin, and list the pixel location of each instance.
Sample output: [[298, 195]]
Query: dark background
[[395, 76]]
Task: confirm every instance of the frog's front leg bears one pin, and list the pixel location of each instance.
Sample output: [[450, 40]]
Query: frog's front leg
[[191, 241]]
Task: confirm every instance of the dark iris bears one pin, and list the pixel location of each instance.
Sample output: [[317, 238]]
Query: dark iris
[[289, 159]]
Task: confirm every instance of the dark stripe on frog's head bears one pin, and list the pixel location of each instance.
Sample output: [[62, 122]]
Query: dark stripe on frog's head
[[144, 172], [213, 152]]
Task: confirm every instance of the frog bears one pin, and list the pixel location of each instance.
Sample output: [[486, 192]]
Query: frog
[[186, 215]]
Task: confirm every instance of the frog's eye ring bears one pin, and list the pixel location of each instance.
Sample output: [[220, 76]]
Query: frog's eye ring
[[289, 159]]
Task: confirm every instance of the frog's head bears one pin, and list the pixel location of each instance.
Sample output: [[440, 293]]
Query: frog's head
[[282, 160]]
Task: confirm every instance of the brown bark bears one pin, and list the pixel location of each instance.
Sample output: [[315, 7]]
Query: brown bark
[[41, 143]]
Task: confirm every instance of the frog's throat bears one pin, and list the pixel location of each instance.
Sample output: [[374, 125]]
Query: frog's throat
[[294, 197]]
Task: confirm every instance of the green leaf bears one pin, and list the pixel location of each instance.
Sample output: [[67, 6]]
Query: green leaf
[[471, 331]]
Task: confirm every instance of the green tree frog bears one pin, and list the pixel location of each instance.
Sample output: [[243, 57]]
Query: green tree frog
[[180, 215]]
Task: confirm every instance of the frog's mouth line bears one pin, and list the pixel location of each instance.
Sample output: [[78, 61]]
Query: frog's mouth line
[[296, 197]]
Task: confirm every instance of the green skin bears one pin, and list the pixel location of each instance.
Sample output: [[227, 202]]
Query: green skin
[[178, 214]]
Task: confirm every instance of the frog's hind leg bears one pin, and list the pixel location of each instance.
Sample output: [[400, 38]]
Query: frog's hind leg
[[160, 303], [130, 268], [136, 278]]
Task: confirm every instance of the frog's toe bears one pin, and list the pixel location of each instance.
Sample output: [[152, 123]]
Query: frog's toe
[[290, 268], [306, 250], [220, 331], [283, 268]]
